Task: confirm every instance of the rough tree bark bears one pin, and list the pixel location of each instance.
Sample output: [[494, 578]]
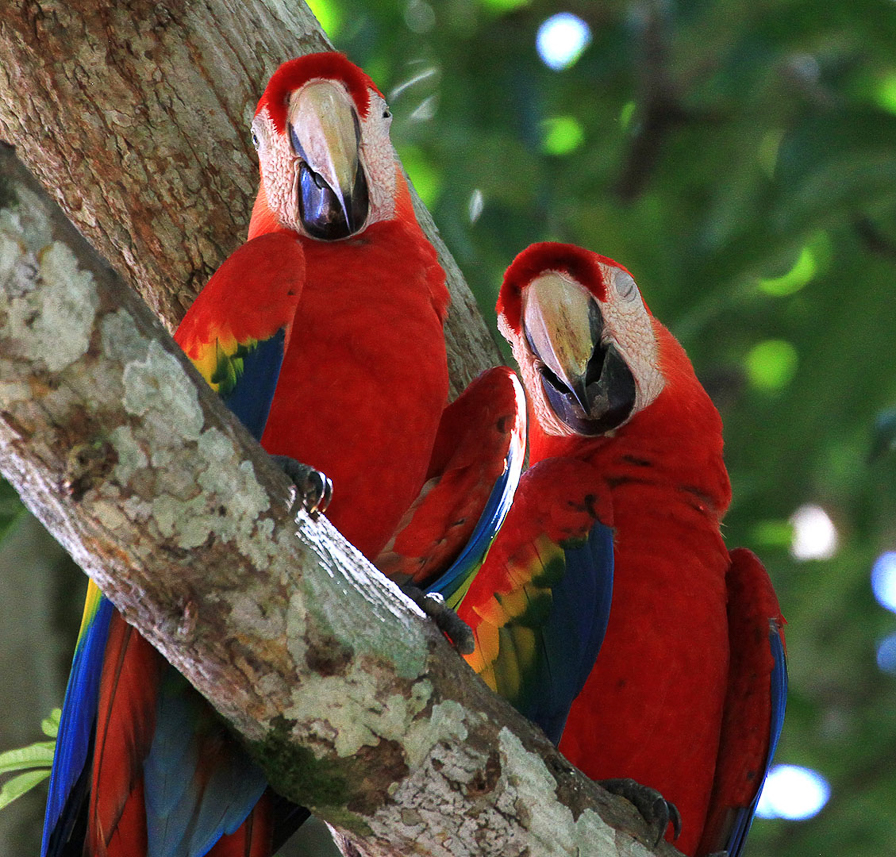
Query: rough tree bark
[[351, 701], [135, 116]]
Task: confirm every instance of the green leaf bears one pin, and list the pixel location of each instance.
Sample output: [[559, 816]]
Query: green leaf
[[772, 534], [39, 755], [50, 725], [21, 784]]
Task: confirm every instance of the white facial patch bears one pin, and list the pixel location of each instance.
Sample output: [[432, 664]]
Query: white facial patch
[[627, 324], [279, 170], [279, 164], [379, 159]]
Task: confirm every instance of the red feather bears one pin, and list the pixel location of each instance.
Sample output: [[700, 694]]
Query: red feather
[[295, 73], [581, 265], [364, 380], [253, 293], [744, 743], [125, 726], [468, 458]]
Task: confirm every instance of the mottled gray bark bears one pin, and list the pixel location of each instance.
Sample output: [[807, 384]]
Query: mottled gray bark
[[351, 701], [135, 116]]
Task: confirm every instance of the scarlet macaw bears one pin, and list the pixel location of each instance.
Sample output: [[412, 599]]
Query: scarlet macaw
[[324, 334], [687, 693]]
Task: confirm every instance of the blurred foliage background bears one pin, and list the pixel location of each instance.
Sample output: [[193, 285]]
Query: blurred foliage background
[[739, 157]]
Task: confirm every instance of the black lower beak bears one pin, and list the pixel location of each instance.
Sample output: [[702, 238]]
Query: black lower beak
[[601, 400], [323, 214]]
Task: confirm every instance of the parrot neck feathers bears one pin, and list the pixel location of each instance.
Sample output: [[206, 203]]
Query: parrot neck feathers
[[680, 433]]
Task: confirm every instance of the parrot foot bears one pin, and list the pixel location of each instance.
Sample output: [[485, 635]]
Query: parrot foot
[[447, 621], [314, 489], [653, 807]]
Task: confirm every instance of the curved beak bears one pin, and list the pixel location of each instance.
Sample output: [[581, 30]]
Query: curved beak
[[588, 384], [325, 135]]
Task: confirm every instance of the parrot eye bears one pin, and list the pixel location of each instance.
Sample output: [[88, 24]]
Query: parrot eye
[[387, 114], [625, 286], [255, 139]]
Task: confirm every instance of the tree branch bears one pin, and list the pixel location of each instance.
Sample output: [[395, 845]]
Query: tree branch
[[354, 705], [134, 116]]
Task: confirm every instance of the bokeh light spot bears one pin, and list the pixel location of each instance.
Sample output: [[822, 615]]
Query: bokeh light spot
[[476, 204], [797, 277], [793, 792], [885, 94], [883, 580], [561, 135], [814, 533], [771, 364], [772, 534], [419, 16], [626, 114], [886, 654], [561, 39]]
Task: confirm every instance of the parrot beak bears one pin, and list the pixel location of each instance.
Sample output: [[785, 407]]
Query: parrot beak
[[325, 135], [586, 381]]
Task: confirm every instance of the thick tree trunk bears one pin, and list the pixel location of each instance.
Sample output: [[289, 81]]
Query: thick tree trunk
[[135, 116], [351, 701]]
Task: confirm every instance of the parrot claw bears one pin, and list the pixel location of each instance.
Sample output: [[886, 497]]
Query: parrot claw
[[447, 621], [653, 807], [314, 489]]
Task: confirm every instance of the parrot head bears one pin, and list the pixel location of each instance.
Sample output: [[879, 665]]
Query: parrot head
[[584, 339], [328, 169]]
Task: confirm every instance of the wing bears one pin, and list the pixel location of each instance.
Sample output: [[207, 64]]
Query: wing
[[539, 605], [70, 777], [754, 704], [199, 783], [473, 473], [167, 778], [237, 330]]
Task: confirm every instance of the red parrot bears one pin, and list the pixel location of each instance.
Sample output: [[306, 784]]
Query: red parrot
[[368, 349], [323, 334], [687, 693]]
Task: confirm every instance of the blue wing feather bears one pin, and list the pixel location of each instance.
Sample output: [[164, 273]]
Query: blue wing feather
[[74, 742], [251, 396], [457, 577], [199, 784], [574, 631]]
